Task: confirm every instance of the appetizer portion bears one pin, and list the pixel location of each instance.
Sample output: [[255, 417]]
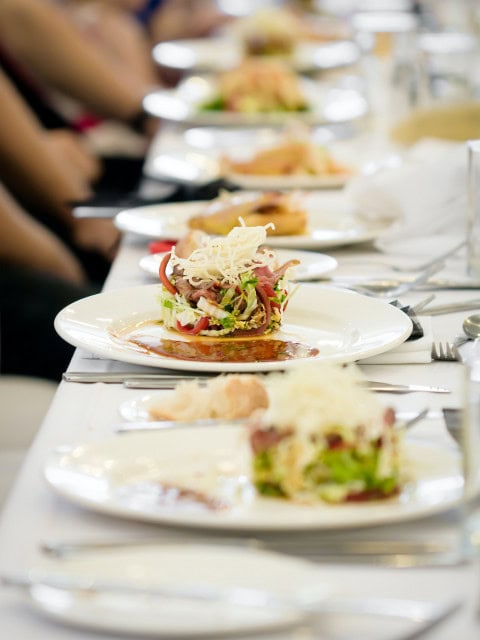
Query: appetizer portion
[[290, 157], [225, 287], [258, 86], [270, 32], [285, 213], [325, 437], [276, 31], [228, 397]]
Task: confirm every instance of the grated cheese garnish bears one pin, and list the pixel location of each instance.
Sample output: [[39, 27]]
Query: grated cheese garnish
[[314, 397], [227, 258]]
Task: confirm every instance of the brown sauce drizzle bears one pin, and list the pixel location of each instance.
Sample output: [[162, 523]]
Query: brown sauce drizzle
[[228, 350], [170, 494]]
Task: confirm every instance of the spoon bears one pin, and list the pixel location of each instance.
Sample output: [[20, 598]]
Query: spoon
[[471, 326]]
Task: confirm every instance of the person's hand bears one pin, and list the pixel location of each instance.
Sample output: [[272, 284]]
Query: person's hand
[[73, 150], [58, 260], [94, 234], [186, 19]]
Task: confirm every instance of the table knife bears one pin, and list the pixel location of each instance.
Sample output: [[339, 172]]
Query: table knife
[[453, 307], [379, 286], [170, 380], [406, 421], [122, 376], [380, 387]]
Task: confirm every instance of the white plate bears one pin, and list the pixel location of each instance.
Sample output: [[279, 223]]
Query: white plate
[[195, 158], [138, 409], [331, 223], [121, 476], [312, 265], [327, 104], [171, 565], [203, 54], [343, 325]]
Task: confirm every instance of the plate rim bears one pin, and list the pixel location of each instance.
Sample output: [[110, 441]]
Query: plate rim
[[301, 566], [189, 112], [122, 222], [295, 59], [291, 254], [68, 329], [211, 523]]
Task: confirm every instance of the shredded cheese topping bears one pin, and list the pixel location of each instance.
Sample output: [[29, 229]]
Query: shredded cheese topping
[[226, 258], [314, 397]]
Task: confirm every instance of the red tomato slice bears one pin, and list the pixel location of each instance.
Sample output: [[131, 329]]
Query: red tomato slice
[[163, 276], [198, 326]]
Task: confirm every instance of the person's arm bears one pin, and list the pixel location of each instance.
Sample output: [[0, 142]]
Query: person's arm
[[185, 19], [30, 164], [41, 36], [112, 27], [25, 242], [50, 171]]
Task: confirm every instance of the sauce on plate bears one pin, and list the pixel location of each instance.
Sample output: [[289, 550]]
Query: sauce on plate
[[228, 350]]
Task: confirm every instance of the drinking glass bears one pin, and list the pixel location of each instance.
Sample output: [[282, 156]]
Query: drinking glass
[[386, 40], [473, 209], [446, 67]]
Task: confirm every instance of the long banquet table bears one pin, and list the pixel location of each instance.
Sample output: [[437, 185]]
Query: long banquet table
[[82, 413]]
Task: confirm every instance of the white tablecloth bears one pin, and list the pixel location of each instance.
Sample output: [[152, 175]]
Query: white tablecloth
[[86, 413]]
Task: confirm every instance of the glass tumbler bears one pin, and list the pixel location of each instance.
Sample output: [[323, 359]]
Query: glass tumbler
[[473, 209]]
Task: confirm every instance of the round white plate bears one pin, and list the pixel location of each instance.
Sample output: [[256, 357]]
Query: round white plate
[[331, 223], [203, 54], [196, 157], [122, 477], [138, 409], [326, 104], [343, 325], [312, 265], [183, 565]]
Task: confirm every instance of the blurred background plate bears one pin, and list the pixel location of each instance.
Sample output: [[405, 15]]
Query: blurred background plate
[[218, 54], [312, 265], [341, 101]]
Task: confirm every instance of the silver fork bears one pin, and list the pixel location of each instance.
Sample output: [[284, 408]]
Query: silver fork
[[446, 351], [398, 288]]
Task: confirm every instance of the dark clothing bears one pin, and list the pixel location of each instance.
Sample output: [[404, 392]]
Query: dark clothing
[[29, 302]]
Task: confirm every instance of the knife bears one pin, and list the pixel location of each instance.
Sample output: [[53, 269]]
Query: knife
[[122, 376], [407, 421], [169, 381], [380, 387], [453, 307], [312, 548], [156, 425], [380, 286], [388, 387]]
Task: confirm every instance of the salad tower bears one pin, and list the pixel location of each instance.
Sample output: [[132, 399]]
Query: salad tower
[[226, 287], [325, 437]]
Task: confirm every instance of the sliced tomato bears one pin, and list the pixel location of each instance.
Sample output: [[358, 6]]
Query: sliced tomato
[[197, 327], [271, 293], [161, 246], [163, 276]]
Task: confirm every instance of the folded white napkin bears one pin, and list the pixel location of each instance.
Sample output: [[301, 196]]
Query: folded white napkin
[[409, 352], [423, 196]]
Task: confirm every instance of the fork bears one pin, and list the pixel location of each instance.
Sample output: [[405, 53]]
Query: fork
[[398, 288], [446, 351]]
